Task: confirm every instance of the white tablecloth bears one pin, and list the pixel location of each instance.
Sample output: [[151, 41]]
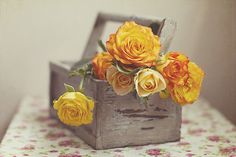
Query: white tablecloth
[[205, 132]]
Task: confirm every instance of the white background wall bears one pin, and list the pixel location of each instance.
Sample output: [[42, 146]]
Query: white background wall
[[32, 32]]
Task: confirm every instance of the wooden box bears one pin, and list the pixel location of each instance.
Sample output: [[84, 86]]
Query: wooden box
[[121, 120]]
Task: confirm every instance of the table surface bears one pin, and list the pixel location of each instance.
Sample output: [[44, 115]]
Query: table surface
[[205, 132]]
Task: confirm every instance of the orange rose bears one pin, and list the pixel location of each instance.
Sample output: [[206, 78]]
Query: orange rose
[[189, 92], [134, 45], [175, 70], [122, 84], [101, 62], [184, 78]]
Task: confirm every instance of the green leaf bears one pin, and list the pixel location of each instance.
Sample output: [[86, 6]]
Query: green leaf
[[101, 45], [83, 71], [121, 69], [74, 73], [78, 72], [69, 88], [144, 100], [124, 71], [80, 63]]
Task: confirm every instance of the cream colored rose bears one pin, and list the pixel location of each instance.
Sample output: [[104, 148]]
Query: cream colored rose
[[122, 84], [148, 81]]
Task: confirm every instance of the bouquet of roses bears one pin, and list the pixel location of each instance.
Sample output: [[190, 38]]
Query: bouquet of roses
[[131, 62]]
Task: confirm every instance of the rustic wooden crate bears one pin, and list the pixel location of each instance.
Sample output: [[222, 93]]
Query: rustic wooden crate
[[120, 120]]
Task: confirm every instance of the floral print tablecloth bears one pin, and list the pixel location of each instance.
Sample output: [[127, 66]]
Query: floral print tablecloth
[[205, 132]]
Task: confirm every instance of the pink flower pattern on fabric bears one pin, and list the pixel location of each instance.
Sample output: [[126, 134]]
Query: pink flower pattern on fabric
[[34, 133]]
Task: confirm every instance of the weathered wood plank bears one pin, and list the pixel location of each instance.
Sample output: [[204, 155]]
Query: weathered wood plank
[[166, 34], [126, 119]]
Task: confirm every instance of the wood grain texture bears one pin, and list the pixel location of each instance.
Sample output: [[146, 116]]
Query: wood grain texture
[[167, 32], [120, 120], [124, 121]]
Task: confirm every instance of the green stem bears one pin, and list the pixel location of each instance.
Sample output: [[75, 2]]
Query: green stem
[[102, 46], [81, 84]]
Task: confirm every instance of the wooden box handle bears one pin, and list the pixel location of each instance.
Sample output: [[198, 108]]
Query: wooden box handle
[[164, 28]]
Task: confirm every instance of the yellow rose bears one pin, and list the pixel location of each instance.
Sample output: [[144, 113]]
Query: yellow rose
[[122, 84], [100, 63], [189, 92], [134, 45], [148, 81], [74, 108]]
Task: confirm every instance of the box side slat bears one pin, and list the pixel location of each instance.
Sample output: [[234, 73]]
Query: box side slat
[[144, 20], [90, 49], [59, 76], [167, 34], [55, 87], [131, 123]]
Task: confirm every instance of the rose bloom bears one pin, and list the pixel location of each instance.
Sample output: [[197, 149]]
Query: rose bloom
[[189, 92], [175, 69], [148, 81], [74, 108], [100, 63], [122, 84], [134, 45]]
